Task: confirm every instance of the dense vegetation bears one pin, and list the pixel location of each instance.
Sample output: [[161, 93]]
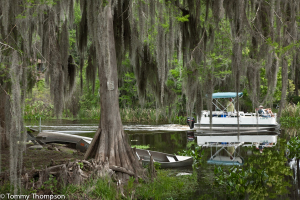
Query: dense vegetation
[[162, 59], [84, 101]]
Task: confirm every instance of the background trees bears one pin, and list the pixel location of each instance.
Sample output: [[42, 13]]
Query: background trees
[[196, 46]]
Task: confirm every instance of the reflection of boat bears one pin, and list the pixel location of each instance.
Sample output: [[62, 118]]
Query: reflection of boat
[[82, 143], [225, 160], [226, 142], [232, 140], [190, 135], [232, 159], [222, 119], [165, 160]]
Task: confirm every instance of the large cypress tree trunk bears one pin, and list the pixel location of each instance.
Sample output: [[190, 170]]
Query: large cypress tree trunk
[[112, 142], [3, 104]]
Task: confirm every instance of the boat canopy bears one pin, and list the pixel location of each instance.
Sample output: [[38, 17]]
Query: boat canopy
[[224, 95]]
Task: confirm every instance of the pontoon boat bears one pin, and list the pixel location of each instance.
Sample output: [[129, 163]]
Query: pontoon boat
[[221, 119]]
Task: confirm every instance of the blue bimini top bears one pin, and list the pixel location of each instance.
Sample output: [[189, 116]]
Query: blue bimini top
[[224, 95]]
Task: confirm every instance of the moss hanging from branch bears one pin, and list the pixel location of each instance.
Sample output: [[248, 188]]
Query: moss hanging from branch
[[16, 129]]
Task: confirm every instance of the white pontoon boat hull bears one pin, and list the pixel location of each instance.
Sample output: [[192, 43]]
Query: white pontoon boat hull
[[244, 121]]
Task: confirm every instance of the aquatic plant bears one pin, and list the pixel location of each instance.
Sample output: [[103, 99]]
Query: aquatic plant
[[291, 116], [194, 151], [263, 176]]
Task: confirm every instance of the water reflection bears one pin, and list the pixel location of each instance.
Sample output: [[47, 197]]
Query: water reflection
[[168, 142], [168, 138], [265, 172]]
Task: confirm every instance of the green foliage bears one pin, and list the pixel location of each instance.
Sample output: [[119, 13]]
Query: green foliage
[[264, 85], [294, 148], [294, 99], [51, 184], [71, 191], [39, 105], [184, 18], [5, 188], [262, 177], [130, 186], [233, 182], [282, 50], [142, 115], [166, 186], [290, 117], [72, 33], [32, 4], [194, 151], [128, 91], [90, 99], [102, 188], [37, 110], [105, 189], [174, 83], [92, 113], [80, 165], [178, 119], [290, 122], [141, 146]]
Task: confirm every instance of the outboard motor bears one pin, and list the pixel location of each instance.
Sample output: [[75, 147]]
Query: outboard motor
[[190, 135], [190, 121]]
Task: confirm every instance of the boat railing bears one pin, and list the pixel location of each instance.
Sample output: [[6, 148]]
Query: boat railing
[[267, 115], [233, 144], [222, 114], [234, 114], [222, 144]]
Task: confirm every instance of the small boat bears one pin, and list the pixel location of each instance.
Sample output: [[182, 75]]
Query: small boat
[[223, 120], [165, 160], [82, 143], [59, 137]]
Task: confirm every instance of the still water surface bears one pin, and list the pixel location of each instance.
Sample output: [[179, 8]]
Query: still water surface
[[171, 138], [168, 138]]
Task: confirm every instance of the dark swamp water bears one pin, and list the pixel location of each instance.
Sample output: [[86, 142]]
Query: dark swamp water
[[168, 138]]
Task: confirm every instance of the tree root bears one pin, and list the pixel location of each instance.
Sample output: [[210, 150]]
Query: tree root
[[75, 173]]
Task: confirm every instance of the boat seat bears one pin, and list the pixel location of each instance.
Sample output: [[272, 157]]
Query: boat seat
[[171, 159], [138, 155]]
